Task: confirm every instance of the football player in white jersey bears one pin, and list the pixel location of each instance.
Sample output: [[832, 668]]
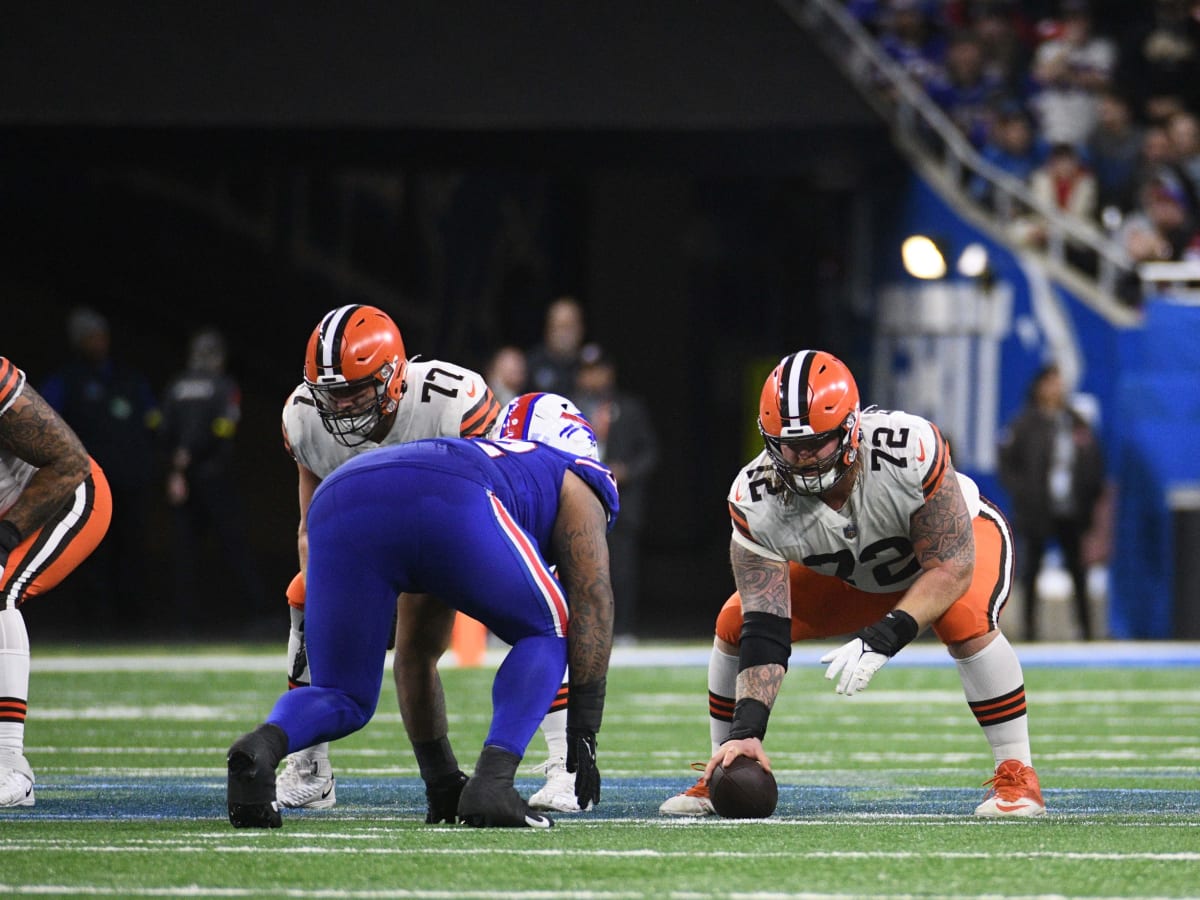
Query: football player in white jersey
[[55, 508], [360, 391], [855, 521]]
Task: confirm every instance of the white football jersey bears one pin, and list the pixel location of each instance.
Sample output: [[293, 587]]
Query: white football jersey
[[442, 400], [867, 542]]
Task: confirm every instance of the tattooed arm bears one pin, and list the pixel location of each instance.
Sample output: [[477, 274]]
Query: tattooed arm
[[35, 433], [764, 587], [944, 545], [581, 549]]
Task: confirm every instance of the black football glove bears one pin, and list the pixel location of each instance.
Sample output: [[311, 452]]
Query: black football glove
[[441, 798], [581, 759]]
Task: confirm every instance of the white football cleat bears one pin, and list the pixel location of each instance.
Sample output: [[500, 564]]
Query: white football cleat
[[307, 781], [16, 781], [1014, 792], [558, 793]]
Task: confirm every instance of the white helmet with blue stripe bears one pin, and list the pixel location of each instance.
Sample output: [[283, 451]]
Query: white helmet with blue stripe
[[549, 419]]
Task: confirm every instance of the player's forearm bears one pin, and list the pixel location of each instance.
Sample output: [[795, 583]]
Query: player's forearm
[[760, 683], [934, 592], [45, 494], [421, 698], [589, 637]]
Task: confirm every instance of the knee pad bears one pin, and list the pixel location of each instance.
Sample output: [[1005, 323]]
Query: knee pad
[[295, 592]]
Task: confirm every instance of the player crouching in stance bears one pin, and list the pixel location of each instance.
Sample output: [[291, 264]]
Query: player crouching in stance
[[55, 508], [855, 521], [397, 520]]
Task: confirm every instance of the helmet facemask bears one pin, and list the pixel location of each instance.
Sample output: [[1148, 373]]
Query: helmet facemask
[[354, 368], [822, 472], [352, 410]]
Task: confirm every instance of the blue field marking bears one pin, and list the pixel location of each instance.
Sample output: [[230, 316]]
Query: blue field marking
[[77, 798], [924, 652], [929, 652]]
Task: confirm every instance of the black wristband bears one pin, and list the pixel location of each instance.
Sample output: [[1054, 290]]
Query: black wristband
[[10, 536], [891, 633], [435, 758], [585, 708], [749, 720]]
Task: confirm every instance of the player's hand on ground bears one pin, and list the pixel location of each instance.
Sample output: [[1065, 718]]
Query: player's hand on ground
[[581, 760], [441, 798], [857, 662], [750, 747]]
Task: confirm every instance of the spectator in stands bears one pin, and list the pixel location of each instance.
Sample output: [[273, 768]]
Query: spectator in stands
[[554, 363], [1053, 469], [1070, 70], [1114, 150], [1160, 58], [1007, 41], [1063, 182], [628, 445], [963, 89], [909, 36], [1012, 146], [110, 405], [1183, 131], [506, 373], [1156, 156], [1163, 228]]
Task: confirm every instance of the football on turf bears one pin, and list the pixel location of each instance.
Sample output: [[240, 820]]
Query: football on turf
[[743, 790]]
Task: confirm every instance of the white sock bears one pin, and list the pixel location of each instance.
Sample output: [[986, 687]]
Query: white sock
[[722, 689], [301, 676], [14, 681], [994, 685], [554, 729]]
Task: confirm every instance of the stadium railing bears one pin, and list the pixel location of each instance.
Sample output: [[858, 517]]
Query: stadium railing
[[1078, 251]]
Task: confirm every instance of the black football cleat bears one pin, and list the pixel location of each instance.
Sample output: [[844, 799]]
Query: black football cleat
[[489, 800], [250, 790], [441, 798]]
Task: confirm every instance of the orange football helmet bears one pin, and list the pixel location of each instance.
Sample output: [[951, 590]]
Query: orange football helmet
[[808, 400], [354, 367]]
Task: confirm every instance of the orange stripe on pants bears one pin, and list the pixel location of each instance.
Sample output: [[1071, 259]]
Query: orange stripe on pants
[[68, 542]]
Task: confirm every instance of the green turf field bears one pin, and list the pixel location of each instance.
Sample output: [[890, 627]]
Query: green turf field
[[876, 792]]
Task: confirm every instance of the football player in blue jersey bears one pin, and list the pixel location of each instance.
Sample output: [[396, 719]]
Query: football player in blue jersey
[[510, 531]]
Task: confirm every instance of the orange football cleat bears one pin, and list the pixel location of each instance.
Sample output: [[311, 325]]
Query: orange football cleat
[[1014, 791], [692, 802]]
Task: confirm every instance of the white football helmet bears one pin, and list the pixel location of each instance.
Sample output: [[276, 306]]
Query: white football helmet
[[549, 419]]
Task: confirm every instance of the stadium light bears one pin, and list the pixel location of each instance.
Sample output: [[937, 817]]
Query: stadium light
[[923, 258], [973, 261]]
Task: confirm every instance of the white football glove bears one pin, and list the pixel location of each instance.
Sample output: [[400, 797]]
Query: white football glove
[[857, 662]]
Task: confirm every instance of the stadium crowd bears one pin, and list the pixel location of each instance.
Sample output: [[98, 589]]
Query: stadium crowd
[[1093, 104]]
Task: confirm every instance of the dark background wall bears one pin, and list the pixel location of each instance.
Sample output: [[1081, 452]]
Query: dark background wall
[[690, 171]]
